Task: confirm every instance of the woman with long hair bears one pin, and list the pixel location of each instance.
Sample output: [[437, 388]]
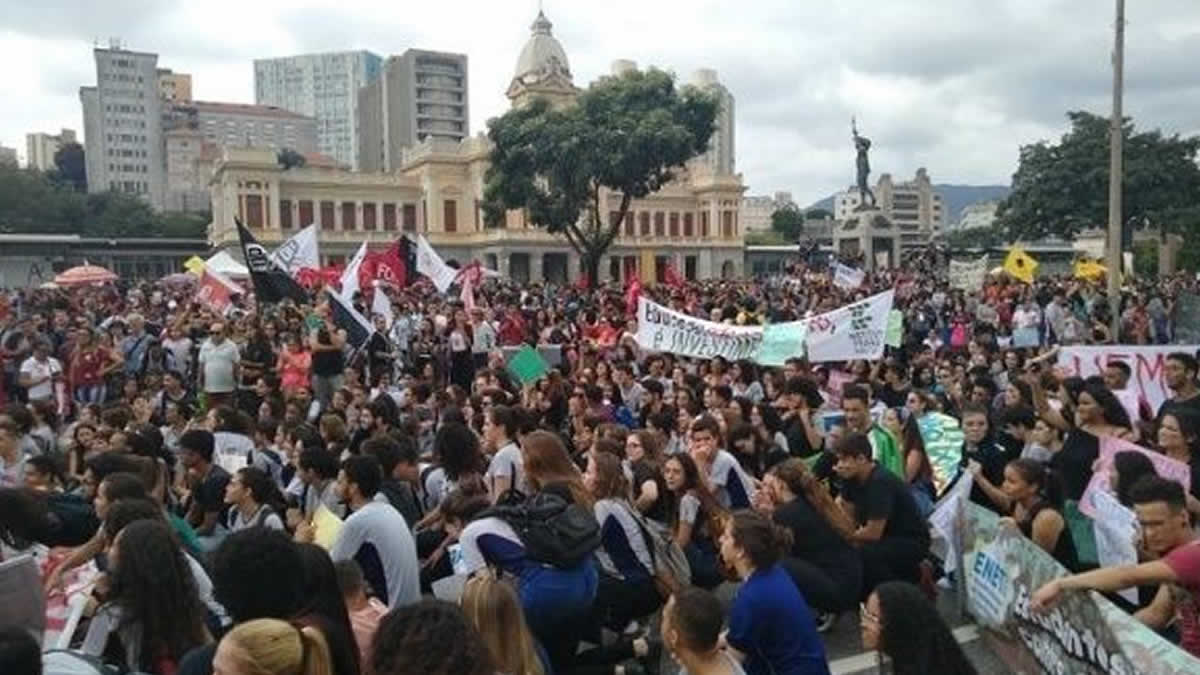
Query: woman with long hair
[[557, 600], [822, 561], [1179, 439], [643, 458], [294, 365], [325, 608], [89, 363], [695, 518], [918, 472], [1128, 467], [899, 622], [273, 647], [1036, 498], [153, 615], [493, 608], [1097, 413], [768, 598]]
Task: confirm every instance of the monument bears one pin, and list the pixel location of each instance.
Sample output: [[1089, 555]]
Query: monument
[[867, 232]]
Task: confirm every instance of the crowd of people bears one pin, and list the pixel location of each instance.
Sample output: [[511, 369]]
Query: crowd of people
[[254, 495]]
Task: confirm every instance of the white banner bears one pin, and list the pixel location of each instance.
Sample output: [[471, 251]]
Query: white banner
[[1146, 364], [299, 251], [847, 277], [664, 330], [943, 522], [968, 276], [855, 331], [1115, 528], [430, 264]]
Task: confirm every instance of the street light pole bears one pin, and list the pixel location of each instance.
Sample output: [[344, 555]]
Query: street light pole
[[1114, 259]]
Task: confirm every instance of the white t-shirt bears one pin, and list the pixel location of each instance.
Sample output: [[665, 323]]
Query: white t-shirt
[[378, 539], [37, 370], [733, 486], [218, 362], [621, 541], [505, 464], [270, 520]]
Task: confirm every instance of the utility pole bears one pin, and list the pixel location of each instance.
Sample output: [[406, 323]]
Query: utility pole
[[1116, 174]]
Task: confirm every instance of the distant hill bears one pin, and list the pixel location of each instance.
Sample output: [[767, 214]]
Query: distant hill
[[955, 197]]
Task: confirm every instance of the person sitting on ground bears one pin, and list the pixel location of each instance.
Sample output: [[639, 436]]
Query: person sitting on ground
[[692, 621], [1036, 501], [254, 500], [431, 637], [492, 607], [365, 612], [899, 622], [273, 647]]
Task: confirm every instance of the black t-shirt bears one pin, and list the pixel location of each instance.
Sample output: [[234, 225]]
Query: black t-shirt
[[813, 538], [992, 458], [210, 493], [643, 473], [893, 398], [884, 495]]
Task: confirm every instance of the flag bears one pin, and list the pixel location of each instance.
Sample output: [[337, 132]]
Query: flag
[[1019, 265], [396, 266], [381, 305], [633, 291], [299, 251], [430, 264], [195, 265], [358, 328], [671, 276], [468, 277], [350, 275], [271, 282], [215, 290], [1090, 270], [527, 365]]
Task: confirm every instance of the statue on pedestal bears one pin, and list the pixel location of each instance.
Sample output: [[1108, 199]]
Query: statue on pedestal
[[862, 144]]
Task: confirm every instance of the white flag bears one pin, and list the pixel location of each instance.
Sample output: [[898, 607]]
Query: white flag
[[350, 274], [847, 277], [381, 305], [430, 264], [298, 252]]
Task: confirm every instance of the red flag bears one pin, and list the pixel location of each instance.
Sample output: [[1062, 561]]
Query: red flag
[[671, 277], [632, 292], [215, 290], [391, 266]]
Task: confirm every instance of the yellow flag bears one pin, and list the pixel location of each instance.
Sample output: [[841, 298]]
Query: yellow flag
[[194, 264], [1089, 269], [1019, 265]]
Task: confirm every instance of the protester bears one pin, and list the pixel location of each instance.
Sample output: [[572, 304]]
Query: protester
[[273, 647], [691, 628], [899, 622], [494, 610], [431, 637]]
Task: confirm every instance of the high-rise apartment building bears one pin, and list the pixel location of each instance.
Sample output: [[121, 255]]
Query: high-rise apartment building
[[418, 95], [913, 206], [40, 148], [174, 87], [721, 150], [323, 86], [122, 125]]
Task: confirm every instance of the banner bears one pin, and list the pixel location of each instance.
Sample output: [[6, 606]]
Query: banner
[[969, 275], [780, 342], [271, 282], [894, 336], [430, 264], [664, 330], [299, 251], [1165, 467], [945, 522], [1084, 634], [855, 331], [1115, 529], [1146, 363], [846, 277]]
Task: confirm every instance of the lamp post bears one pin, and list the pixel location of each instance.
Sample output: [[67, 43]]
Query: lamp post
[[1114, 259]]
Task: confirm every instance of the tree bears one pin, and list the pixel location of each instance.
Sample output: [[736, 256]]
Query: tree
[[70, 167], [626, 134], [289, 158], [788, 221], [818, 214], [1060, 189], [976, 237]]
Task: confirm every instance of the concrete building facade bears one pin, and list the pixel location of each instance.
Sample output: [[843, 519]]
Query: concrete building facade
[[122, 125], [174, 87], [693, 223], [40, 148], [721, 148], [757, 210], [419, 94], [980, 214], [322, 86], [914, 207]]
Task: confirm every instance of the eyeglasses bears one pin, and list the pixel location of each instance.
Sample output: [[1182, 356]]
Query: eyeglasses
[[867, 615]]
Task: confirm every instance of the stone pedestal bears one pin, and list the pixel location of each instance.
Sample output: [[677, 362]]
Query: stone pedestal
[[870, 233]]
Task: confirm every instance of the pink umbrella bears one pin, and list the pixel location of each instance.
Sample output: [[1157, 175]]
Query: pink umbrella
[[84, 274]]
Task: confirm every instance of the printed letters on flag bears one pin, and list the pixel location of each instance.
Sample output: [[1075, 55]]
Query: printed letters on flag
[[271, 282], [300, 251]]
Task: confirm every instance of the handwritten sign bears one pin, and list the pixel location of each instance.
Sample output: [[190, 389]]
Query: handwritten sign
[[855, 331], [1146, 364]]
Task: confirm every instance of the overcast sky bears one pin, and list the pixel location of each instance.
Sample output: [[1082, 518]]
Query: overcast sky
[[952, 85]]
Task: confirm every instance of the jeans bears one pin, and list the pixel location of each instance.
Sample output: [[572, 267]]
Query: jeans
[[90, 393], [323, 388]]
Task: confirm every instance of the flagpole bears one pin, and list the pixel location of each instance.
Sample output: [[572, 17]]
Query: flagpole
[[1116, 135]]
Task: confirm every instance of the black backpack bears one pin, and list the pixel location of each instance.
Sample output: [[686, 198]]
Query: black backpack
[[552, 529]]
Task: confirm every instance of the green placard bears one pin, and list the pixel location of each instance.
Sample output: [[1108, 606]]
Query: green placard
[[895, 329], [780, 342], [527, 365]]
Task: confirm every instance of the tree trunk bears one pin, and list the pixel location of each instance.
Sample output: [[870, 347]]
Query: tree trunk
[[590, 262]]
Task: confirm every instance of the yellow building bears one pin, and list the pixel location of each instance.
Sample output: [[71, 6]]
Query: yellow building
[[692, 224]]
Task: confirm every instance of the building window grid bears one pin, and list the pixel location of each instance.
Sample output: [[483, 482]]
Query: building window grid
[[349, 216], [659, 223]]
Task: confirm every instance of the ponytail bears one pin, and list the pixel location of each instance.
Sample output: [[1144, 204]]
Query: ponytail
[[316, 659], [276, 646], [764, 541]]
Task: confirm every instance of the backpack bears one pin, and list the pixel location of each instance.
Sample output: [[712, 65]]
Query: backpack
[[672, 572], [552, 529]]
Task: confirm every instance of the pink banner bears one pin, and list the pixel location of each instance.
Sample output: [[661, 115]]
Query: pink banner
[[1166, 467], [1146, 363]]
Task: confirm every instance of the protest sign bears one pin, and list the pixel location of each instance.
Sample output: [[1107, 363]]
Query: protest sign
[[664, 330], [968, 275], [1187, 318], [847, 277], [894, 334], [326, 526], [1083, 634], [1146, 364], [855, 331], [1115, 527], [1172, 470], [943, 439], [946, 520], [527, 365], [838, 379], [780, 342], [551, 353]]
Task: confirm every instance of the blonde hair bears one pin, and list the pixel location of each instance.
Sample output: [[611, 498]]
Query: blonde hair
[[276, 647], [492, 607]]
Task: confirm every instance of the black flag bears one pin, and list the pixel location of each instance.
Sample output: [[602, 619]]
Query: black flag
[[358, 328], [271, 282]]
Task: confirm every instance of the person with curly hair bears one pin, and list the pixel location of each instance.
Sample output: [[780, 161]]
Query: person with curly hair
[[431, 637], [153, 614]]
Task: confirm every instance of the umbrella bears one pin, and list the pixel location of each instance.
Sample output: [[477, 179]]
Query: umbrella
[[84, 274], [179, 279]]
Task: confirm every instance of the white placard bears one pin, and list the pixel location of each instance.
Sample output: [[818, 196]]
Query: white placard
[[664, 330], [968, 275], [855, 331]]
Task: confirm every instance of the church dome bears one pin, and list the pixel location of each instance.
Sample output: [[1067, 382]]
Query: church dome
[[543, 54]]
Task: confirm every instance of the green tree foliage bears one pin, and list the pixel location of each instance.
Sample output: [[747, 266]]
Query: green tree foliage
[[788, 222], [70, 168], [1060, 189], [626, 134], [32, 202], [976, 237]]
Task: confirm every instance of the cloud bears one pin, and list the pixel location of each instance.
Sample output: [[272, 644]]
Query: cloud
[[955, 86]]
